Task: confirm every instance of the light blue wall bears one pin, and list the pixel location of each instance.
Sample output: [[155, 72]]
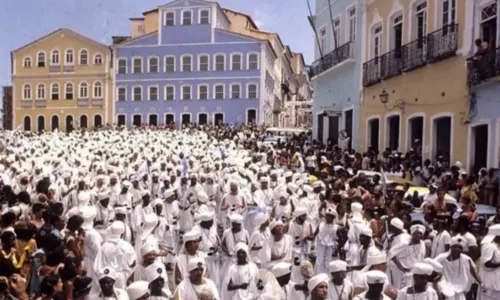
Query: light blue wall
[[338, 88]]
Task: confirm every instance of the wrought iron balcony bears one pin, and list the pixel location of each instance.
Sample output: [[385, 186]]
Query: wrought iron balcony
[[415, 54], [442, 43], [391, 64], [371, 71], [332, 59], [482, 67]]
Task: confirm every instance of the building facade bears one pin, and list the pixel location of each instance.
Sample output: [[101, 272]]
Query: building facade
[[414, 76], [483, 70], [61, 81], [7, 108], [336, 71], [190, 69]]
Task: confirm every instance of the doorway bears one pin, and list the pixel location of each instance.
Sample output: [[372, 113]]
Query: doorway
[[441, 137], [69, 123], [373, 134], [415, 134], [202, 119], [41, 123], [27, 123], [392, 130], [319, 137], [153, 120], [97, 121], [121, 120], [479, 147], [251, 116], [83, 121], [219, 119], [348, 122], [186, 119], [54, 123], [169, 119], [137, 120], [333, 129]]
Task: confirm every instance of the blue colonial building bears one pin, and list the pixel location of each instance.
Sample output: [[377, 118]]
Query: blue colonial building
[[336, 71], [183, 65]]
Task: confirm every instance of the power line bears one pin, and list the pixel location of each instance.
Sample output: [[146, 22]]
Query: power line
[[313, 25]]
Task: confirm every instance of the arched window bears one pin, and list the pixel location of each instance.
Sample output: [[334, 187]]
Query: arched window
[[98, 59], [69, 91], [40, 91], [27, 123], [54, 92], [97, 121], [97, 90], [84, 57], [70, 57], [40, 59], [27, 62], [54, 57], [84, 90], [27, 92], [83, 121]]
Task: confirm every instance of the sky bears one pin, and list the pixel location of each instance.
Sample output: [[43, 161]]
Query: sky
[[23, 21]]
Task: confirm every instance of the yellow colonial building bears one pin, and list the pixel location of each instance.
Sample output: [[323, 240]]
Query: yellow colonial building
[[414, 77], [61, 81]]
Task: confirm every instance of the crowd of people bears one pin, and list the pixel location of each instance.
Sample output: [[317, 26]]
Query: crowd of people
[[215, 213]]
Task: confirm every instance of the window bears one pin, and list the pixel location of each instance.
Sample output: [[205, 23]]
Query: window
[[54, 92], [420, 19], [98, 59], [69, 57], [219, 91], [235, 91], [220, 62], [236, 62], [488, 25], [449, 12], [252, 91], [69, 91], [122, 66], [40, 60], [170, 18], [54, 57], [204, 16], [169, 92], [27, 92], [153, 93], [169, 64], [187, 63], [397, 38], [186, 92], [203, 62], [137, 93], [84, 56], [203, 92], [336, 34], [84, 90], [137, 65], [153, 65], [98, 90], [27, 62], [40, 91], [253, 61], [187, 16], [377, 42], [122, 94], [322, 40], [352, 24]]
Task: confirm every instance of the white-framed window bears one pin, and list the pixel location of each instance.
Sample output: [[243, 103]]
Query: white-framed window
[[420, 21], [170, 18], [122, 66], [351, 24], [236, 61], [204, 16], [84, 57], [449, 12], [153, 64], [40, 91], [203, 92], [153, 93], [337, 38], [220, 62], [219, 91], [70, 56], [137, 93], [40, 59], [54, 91], [54, 57], [187, 17], [27, 92], [169, 63], [98, 90], [187, 63], [253, 61], [169, 92], [377, 41], [83, 90], [203, 62], [122, 93], [322, 40], [252, 91], [186, 92], [27, 62], [98, 59], [396, 36], [235, 91], [488, 24], [68, 91], [137, 65]]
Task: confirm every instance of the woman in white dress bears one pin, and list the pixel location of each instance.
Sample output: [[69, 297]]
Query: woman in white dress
[[188, 251], [240, 281], [420, 289], [195, 286], [259, 238], [325, 241], [231, 237], [279, 247]]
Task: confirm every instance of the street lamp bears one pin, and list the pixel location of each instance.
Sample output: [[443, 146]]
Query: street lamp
[[384, 99]]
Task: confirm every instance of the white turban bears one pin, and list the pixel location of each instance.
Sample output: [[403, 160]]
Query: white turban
[[196, 262], [396, 222], [337, 266], [281, 269], [421, 269], [417, 228], [137, 289], [107, 272], [317, 280]]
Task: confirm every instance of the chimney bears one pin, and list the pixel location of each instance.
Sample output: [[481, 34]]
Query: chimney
[[136, 27]]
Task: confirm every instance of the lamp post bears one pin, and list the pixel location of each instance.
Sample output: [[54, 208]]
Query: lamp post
[[384, 99]]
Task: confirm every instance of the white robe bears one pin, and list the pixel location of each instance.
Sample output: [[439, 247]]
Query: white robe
[[117, 254], [490, 276], [239, 274], [326, 244], [278, 248], [181, 262], [457, 274], [259, 239], [188, 291], [93, 242], [210, 239], [342, 292], [429, 294]]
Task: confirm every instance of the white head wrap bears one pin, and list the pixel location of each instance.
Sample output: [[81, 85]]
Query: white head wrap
[[317, 280], [337, 266], [137, 289]]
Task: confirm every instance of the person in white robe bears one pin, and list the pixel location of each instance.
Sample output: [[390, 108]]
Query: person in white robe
[[93, 242], [375, 280], [172, 213], [106, 279], [232, 203], [259, 238], [105, 213], [318, 287], [339, 287], [356, 222], [283, 271], [121, 213], [438, 282], [283, 210], [267, 194], [189, 250], [138, 290], [489, 270], [279, 247], [141, 210], [302, 232], [195, 286], [239, 283], [420, 289], [400, 255], [230, 238], [210, 245], [158, 282], [326, 241], [440, 237], [255, 207]]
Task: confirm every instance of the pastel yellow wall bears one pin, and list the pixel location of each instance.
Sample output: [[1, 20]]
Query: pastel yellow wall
[[91, 73], [430, 91], [151, 22]]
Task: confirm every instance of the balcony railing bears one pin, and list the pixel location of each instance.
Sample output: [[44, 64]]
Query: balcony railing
[[41, 103], [391, 64], [26, 103], [69, 68], [54, 68], [98, 102], [482, 67], [414, 54], [332, 59], [442, 43], [82, 102], [371, 71]]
